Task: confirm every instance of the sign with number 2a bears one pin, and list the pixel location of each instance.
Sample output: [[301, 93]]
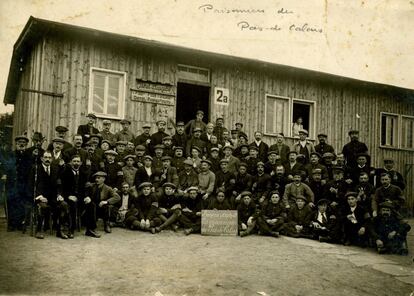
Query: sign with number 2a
[[221, 96]]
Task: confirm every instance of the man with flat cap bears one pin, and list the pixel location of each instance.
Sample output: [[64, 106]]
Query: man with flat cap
[[179, 138], [196, 140], [114, 172], [147, 173], [106, 132], [144, 139], [125, 134], [156, 138], [219, 129], [168, 172], [396, 178], [280, 147], [85, 130], [195, 123], [323, 147], [389, 232], [19, 196], [98, 202], [303, 146], [61, 132], [353, 148], [36, 151], [225, 179], [187, 178], [206, 181]]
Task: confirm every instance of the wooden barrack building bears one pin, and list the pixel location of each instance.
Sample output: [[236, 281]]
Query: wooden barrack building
[[60, 72]]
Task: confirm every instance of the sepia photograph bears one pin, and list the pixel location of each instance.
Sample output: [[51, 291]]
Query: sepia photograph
[[191, 147]]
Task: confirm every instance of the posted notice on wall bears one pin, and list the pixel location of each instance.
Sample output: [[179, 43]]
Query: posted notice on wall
[[221, 96]]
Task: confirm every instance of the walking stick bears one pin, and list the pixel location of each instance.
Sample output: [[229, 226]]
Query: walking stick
[[33, 216], [4, 195]]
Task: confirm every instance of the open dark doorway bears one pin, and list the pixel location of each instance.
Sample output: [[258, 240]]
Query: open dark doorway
[[190, 98]]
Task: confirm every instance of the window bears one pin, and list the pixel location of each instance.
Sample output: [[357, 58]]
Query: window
[[282, 112], [389, 130], [306, 111], [107, 93], [277, 115], [407, 132]]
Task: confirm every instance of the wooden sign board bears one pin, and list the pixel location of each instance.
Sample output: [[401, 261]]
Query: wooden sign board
[[215, 222]]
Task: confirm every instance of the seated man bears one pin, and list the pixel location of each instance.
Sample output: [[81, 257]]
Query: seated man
[[122, 208], [387, 192], [295, 189], [389, 232], [142, 213], [272, 217], [98, 202], [191, 212], [356, 222], [324, 223], [299, 218], [246, 211], [169, 207]]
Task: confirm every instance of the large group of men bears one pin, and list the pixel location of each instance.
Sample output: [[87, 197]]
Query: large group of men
[[152, 182]]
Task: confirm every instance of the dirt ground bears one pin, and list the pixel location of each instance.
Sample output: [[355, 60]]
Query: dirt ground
[[135, 263]]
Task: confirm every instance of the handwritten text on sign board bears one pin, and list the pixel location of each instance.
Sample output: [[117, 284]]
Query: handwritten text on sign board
[[221, 96], [215, 222]]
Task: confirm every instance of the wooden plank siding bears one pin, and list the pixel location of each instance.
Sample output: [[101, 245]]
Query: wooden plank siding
[[62, 65]]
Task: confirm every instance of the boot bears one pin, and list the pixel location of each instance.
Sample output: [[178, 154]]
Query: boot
[[167, 223], [107, 228]]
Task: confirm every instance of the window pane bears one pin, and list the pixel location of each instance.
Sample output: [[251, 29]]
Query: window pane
[[98, 93], [407, 132], [113, 96], [389, 130], [270, 115]]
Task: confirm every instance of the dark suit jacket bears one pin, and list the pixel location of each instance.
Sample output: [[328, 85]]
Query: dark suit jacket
[[67, 182], [85, 132], [282, 150], [263, 149], [43, 184]]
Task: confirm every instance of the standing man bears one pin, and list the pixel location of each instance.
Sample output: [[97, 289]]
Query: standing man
[[36, 151], [61, 132], [144, 139], [86, 130], [179, 139], [323, 147], [98, 202], [281, 148], [219, 129], [156, 138], [76, 150], [195, 123], [303, 146], [19, 195], [353, 148], [106, 133], [261, 146], [125, 134]]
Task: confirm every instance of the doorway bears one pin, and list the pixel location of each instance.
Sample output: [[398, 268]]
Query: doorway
[[190, 98]]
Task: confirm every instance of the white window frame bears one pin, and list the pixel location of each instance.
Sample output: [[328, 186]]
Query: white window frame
[[289, 114], [401, 131], [312, 115], [121, 112], [398, 130]]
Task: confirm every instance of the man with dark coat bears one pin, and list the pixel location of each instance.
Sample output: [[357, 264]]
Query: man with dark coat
[[72, 186], [156, 138], [114, 173], [60, 133], [396, 178], [323, 147], [179, 139], [17, 166], [353, 148], [44, 181], [86, 130], [144, 138], [76, 150], [262, 147], [280, 147], [196, 140]]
